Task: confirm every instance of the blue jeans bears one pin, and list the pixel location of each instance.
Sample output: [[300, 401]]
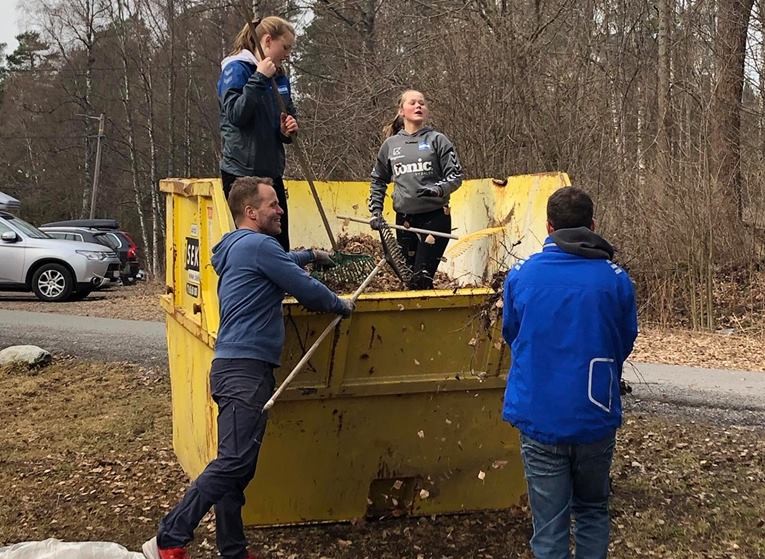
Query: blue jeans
[[240, 387], [563, 479]]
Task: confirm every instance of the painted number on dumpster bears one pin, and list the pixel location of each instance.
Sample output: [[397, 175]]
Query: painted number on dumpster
[[192, 266]]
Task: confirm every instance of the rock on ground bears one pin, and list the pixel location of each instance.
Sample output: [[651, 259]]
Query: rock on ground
[[27, 354]]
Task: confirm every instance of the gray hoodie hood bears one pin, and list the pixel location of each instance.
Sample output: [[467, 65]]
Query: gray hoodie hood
[[244, 55]]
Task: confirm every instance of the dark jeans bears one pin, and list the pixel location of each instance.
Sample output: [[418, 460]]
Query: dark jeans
[[281, 193], [421, 256], [240, 387], [563, 479]]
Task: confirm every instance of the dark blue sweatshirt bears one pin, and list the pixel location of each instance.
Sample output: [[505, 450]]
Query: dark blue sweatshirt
[[254, 272]]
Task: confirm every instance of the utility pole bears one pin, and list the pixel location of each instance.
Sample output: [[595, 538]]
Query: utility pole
[[97, 170]]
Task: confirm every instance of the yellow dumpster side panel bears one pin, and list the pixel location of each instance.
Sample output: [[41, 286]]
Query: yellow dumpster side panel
[[332, 451], [193, 409], [402, 403]]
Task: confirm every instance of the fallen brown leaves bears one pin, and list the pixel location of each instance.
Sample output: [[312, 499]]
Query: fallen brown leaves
[[86, 456], [134, 302], [701, 349], [386, 279]]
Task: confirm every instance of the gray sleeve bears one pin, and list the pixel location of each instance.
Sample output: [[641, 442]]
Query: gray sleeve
[[451, 170], [381, 175]]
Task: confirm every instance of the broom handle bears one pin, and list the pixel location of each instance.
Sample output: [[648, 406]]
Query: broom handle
[[324, 334], [402, 228], [302, 159]]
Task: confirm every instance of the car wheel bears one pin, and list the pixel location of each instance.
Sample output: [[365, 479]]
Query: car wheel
[[52, 282]]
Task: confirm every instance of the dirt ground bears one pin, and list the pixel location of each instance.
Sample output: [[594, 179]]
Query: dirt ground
[[741, 351], [87, 456], [132, 302]]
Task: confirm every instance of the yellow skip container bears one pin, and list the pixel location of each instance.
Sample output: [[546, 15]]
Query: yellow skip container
[[398, 412]]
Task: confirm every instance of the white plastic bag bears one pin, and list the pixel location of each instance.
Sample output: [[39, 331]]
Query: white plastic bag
[[56, 549]]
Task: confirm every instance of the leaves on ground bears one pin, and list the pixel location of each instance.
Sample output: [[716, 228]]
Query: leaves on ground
[[87, 456]]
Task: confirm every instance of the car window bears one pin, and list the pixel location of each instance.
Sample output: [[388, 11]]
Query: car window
[[57, 235], [112, 240], [4, 228], [26, 228]]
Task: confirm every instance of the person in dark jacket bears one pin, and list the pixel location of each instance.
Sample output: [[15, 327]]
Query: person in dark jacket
[[254, 272], [425, 171], [570, 318], [253, 130]]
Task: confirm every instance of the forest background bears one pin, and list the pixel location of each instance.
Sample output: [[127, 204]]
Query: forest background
[[657, 109]]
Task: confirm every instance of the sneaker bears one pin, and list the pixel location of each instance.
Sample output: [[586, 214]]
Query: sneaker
[[152, 551]]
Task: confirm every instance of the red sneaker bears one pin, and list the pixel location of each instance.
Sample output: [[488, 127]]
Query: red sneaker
[[152, 551]]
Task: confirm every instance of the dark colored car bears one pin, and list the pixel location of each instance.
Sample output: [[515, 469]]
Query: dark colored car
[[105, 231]]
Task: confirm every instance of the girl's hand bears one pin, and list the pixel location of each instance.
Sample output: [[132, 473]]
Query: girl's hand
[[289, 125], [267, 67]]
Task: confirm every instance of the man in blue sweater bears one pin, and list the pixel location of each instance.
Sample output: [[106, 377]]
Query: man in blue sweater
[[254, 272], [570, 318]]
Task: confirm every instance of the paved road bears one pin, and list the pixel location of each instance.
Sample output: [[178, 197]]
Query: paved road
[[105, 339], [695, 386], [144, 343]]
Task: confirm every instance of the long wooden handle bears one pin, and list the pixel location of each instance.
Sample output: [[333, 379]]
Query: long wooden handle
[[402, 228], [302, 159], [324, 334]]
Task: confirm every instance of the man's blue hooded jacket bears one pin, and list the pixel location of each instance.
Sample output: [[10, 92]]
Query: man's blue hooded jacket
[[570, 318]]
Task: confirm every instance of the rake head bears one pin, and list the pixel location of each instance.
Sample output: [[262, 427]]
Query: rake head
[[393, 255], [348, 268]]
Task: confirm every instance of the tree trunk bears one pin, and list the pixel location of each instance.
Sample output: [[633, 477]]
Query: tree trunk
[[135, 173], [171, 89], [664, 97], [730, 45]]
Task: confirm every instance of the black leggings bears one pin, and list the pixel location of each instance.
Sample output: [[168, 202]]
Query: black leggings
[[421, 256], [281, 193]]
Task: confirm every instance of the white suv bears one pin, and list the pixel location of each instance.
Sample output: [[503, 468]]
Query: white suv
[[55, 269]]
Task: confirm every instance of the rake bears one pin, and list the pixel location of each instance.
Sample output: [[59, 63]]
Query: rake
[[348, 267], [458, 248], [392, 251], [311, 350]]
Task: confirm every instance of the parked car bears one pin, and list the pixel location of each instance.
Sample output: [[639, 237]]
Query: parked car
[[86, 235], [104, 231], [55, 269], [8, 202]]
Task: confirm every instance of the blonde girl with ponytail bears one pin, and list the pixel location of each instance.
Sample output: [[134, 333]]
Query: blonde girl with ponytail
[[425, 170], [253, 130]]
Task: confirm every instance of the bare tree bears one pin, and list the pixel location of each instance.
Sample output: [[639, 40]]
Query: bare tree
[[730, 48]]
